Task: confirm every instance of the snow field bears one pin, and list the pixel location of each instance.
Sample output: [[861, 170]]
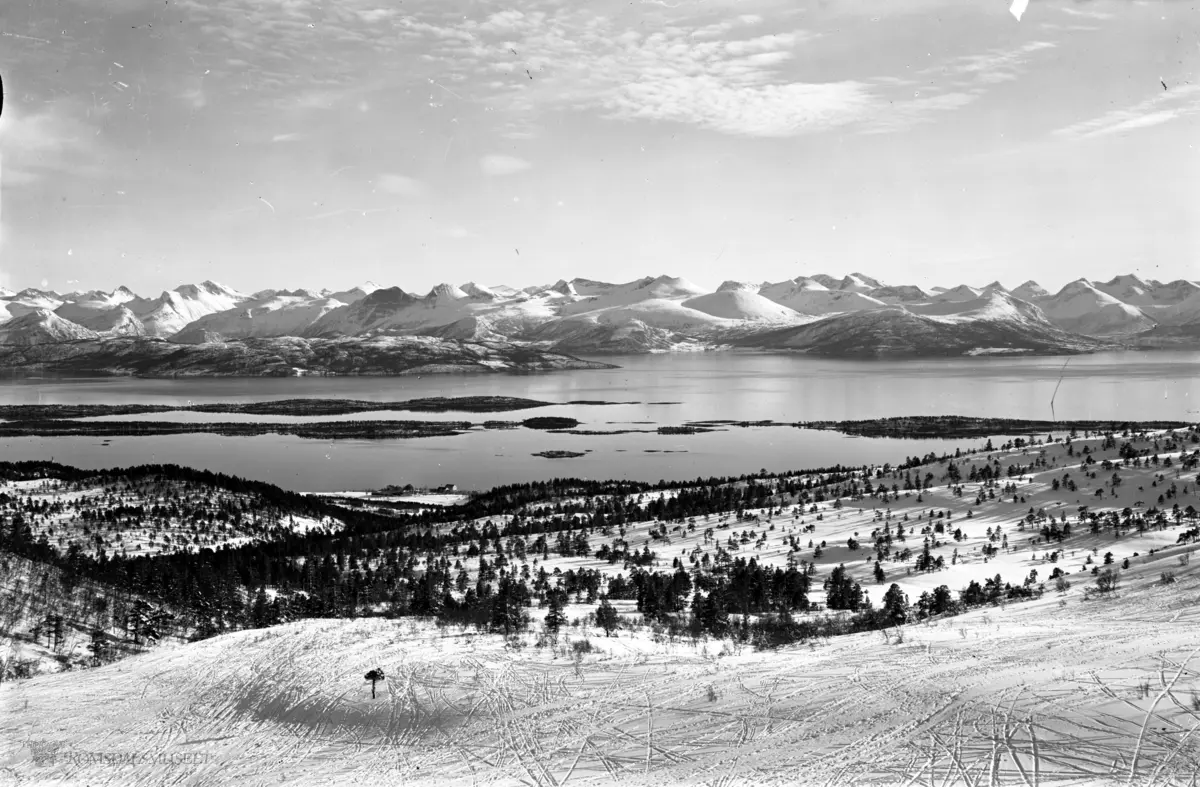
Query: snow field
[[1027, 550], [1045, 693]]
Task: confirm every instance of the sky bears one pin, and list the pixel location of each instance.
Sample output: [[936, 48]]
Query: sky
[[308, 143]]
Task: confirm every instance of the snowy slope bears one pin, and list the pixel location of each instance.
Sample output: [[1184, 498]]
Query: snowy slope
[[29, 300], [1148, 293], [733, 285], [630, 293], [960, 293], [1030, 291], [1074, 688], [109, 313], [278, 315], [901, 294], [811, 297], [591, 286], [995, 323], [379, 310], [854, 282], [42, 326], [447, 311], [1031, 694], [1128, 289], [1174, 292], [741, 304], [1186, 312], [353, 294], [175, 309], [1082, 308], [991, 305], [443, 293], [479, 292], [116, 320]]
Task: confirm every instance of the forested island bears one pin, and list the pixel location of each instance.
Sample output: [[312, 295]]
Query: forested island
[[64, 420]]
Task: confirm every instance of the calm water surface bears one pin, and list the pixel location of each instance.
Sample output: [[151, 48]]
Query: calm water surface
[[697, 386]]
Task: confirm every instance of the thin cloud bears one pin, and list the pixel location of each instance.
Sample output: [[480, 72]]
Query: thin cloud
[[401, 185], [496, 164], [1168, 105], [725, 76], [959, 82], [195, 98], [50, 140], [376, 15], [997, 65], [362, 212], [1085, 13]]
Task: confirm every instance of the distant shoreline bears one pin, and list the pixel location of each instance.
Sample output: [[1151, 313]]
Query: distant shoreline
[[65, 421]]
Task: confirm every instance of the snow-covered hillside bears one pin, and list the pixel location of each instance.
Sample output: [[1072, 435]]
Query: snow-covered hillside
[[960, 293], [1092, 682], [275, 315], [173, 310], [1030, 291], [741, 304], [1082, 308], [808, 296], [1129, 289], [1056, 692], [1186, 312], [904, 293], [42, 326]]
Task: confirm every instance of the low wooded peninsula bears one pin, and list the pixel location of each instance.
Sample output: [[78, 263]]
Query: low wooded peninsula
[[319, 430], [292, 407], [953, 426]]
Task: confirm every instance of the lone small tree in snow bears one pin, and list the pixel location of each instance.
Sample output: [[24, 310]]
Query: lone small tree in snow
[[374, 676], [555, 619], [606, 617], [98, 646], [895, 604]]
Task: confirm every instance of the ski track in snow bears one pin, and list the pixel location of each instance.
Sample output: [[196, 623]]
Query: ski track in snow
[[1031, 694]]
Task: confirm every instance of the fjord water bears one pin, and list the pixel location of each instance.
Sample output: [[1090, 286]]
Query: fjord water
[[669, 389]]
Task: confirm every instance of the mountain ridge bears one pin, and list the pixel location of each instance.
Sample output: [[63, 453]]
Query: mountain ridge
[[649, 314]]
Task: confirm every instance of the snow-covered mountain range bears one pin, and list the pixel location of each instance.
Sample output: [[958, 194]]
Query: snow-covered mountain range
[[853, 315]]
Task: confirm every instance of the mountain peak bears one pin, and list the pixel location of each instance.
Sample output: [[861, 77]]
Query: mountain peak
[[205, 288], [810, 283], [42, 326], [388, 296], [565, 287], [479, 292], [1078, 286], [1127, 280], [1030, 290], [857, 282], [446, 291]]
